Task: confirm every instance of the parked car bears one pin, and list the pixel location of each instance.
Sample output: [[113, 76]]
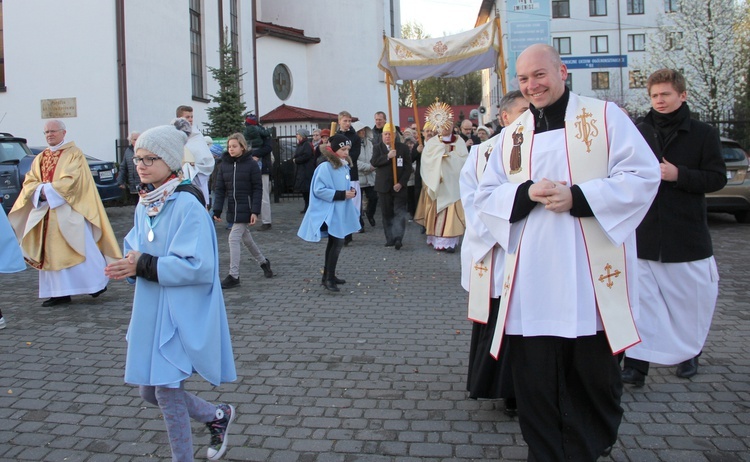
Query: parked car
[[15, 161], [733, 198], [16, 158]]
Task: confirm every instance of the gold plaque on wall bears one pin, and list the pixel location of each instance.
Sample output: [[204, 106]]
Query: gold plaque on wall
[[59, 108]]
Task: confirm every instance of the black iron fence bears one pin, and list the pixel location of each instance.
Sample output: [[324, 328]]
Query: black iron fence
[[731, 124], [284, 169]]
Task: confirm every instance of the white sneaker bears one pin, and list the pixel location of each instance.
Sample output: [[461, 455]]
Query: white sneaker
[[2, 322]]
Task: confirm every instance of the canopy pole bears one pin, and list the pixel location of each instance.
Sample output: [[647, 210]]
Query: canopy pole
[[390, 117], [501, 56], [416, 113]]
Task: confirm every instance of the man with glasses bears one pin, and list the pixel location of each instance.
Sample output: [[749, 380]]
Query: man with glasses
[[61, 223]]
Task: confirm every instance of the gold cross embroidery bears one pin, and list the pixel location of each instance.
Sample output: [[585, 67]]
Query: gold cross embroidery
[[480, 268], [609, 275], [506, 286], [587, 128]]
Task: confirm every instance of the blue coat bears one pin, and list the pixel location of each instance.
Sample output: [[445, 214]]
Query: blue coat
[[11, 258], [341, 216], [179, 324]]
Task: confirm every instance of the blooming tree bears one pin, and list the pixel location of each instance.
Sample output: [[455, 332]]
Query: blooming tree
[[704, 40]]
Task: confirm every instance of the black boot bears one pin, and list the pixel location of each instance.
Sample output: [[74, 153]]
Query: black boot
[[633, 376], [687, 369], [266, 267], [331, 285]]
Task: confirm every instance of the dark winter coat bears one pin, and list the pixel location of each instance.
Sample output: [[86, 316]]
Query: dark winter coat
[[352, 136], [263, 154], [384, 165], [305, 166], [128, 175], [240, 182], [675, 229]]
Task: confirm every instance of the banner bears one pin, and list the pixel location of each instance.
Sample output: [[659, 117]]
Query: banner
[[450, 56]]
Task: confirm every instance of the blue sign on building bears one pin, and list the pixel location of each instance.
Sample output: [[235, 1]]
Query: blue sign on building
[[593, 62]]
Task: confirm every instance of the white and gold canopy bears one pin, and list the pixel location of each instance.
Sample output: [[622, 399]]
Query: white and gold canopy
[[449, 56]]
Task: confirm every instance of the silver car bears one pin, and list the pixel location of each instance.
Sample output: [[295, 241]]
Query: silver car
[[733, 198]]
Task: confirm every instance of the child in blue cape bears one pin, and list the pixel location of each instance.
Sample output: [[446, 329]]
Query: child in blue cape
[[179, 323], [331, 211], [11, 258]]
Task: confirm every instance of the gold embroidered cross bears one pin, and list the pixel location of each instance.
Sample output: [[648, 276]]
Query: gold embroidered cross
[[586, 128], [506, 286], [609, 275], [480, 269]]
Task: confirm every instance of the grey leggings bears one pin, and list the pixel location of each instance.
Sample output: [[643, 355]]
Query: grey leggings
[[241, 233], [178, 407]]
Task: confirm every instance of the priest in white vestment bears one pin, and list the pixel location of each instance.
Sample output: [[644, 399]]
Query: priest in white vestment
[[482, 261], [581, 185]]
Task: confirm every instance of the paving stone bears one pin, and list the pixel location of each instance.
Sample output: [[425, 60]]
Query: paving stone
[[376, 373]]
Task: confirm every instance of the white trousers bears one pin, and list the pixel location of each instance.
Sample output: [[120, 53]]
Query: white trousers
[[677, 302]]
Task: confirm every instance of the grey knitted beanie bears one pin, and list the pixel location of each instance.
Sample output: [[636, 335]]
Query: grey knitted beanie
[[167, 142]]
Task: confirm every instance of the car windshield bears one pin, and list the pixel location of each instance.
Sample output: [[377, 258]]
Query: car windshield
[[732, 153], [11, 151]]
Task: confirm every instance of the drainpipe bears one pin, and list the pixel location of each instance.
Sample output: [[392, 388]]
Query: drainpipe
[[122, 75], [255, 62], [221, 31]]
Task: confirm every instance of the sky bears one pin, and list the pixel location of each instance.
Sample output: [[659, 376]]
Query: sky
[[441, 17]]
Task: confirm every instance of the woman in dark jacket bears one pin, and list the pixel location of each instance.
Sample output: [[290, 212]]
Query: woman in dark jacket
[[239, 181], [305, 165]]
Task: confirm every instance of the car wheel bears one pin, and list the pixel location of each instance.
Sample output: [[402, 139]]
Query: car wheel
[[743, 216]]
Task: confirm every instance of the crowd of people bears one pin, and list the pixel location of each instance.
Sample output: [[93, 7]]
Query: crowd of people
[[584, 242]]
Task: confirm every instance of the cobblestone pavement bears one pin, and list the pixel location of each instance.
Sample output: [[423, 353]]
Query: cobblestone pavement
[[374, 373]]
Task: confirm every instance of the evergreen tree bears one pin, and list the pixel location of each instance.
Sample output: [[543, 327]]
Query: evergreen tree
[[228, 116]]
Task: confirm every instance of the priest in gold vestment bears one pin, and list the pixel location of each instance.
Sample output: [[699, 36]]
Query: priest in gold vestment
[[61, 223], [439, 208]]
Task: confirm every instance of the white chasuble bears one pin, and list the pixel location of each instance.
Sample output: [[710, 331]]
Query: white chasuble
[[550, 281]]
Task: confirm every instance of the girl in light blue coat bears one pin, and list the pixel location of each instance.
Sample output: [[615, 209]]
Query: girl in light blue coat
[[11, 259], [331, 211], [179, 323]]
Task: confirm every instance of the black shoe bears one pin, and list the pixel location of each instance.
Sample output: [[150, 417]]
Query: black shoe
[[450, 250], [54, 301], [397, 243], [96, 294], [511, 410], [607, 451], [687, 369], [633, 377], [266, 267], [331, 285], [390, 243], [371, 220], [265, 227], [229, 282], [338, 281], [347, 239]]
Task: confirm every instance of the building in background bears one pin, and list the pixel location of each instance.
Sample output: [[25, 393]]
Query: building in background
[[602, 42], [109, 67]]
